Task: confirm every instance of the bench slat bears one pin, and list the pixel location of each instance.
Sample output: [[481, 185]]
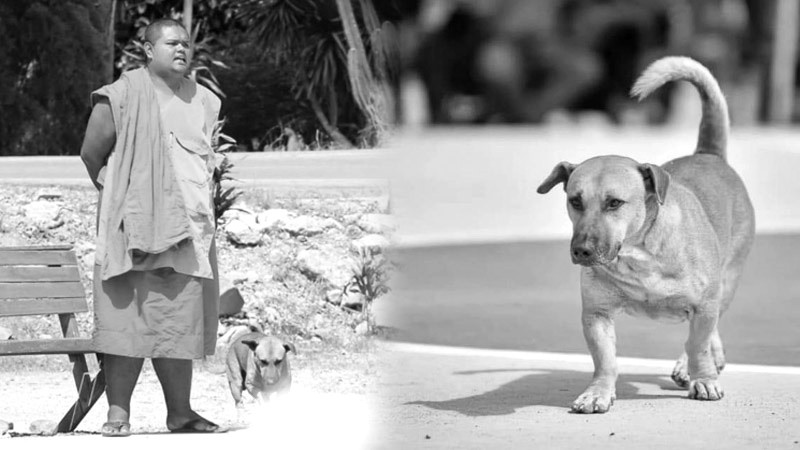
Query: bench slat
[[15, 274], [41, 257], [50, 289], [47, 306], [58, 346], [38, 247]]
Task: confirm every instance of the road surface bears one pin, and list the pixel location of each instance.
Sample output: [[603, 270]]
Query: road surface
[[323, 169], [525, 296]]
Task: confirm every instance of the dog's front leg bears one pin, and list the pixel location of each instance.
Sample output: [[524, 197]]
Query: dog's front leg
[[703, 373], [598, 329]]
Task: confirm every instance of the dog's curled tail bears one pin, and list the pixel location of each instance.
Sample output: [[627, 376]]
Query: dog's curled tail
[[713, 136]]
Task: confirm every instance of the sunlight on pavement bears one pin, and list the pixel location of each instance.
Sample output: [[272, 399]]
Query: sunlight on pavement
[[307, 419]]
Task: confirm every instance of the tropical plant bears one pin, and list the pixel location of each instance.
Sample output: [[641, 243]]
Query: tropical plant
[[308, 36], [370, 278], [224, 197], [369, 77]]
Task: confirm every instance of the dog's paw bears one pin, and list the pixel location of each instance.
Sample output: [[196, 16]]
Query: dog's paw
[[595, 399], [705, 389], [680, 373]]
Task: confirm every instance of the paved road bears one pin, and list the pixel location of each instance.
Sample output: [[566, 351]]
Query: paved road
[[525, 296], [431, 399], [344, 169]]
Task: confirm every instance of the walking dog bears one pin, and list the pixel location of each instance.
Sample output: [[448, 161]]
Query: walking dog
[[663, 241], [259, 364]]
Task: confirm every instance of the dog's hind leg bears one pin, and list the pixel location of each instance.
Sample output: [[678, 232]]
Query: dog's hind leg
[[680, 373], [703, 373]]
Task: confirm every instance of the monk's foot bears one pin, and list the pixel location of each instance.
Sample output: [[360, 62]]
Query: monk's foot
[[190, 423]]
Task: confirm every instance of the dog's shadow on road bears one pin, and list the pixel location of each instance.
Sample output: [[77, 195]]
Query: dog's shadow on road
[[556, 388]]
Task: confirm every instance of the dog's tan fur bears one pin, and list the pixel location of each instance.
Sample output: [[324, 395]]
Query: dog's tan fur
[[258, 364], [667, 241]]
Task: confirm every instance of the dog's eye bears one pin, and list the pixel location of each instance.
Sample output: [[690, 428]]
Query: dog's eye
[[576, 203], [278, 361], [614, 203]]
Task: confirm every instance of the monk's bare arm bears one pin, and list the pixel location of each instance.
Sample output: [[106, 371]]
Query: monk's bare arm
[[99, 140]]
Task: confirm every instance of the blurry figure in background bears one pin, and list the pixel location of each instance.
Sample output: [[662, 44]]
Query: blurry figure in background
[[510, 61], [517, 61]]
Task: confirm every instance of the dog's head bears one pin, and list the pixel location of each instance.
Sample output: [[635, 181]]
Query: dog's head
[[608, 199], [270, 356]]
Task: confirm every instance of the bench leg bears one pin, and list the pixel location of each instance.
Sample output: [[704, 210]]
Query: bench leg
[[89, 391]]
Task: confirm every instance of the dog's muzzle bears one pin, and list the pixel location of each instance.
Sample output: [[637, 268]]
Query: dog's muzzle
[[587, 253]]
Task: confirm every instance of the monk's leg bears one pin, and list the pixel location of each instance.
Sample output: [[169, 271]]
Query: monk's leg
[[175, 376], [122, 373]]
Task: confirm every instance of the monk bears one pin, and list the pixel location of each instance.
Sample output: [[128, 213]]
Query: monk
[[148, 151]]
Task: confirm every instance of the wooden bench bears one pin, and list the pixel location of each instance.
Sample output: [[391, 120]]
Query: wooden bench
[[42, 280]]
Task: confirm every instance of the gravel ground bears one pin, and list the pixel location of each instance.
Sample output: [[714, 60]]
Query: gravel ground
[[332, 357]]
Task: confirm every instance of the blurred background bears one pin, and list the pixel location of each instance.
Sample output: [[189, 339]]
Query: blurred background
[[518, 61]]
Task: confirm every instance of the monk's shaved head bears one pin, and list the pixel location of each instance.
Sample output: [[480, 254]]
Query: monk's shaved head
[[155, 29]]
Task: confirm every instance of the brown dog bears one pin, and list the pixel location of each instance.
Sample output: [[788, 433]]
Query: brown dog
[[667, 241], [259, 364]]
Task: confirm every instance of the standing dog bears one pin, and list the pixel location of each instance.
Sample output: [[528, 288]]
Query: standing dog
[[667, 241], [259, 364]]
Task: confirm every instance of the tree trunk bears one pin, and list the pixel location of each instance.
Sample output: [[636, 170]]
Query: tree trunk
[[332, 131], [352, 33], [187, 15], [107, 12], [784, 61]]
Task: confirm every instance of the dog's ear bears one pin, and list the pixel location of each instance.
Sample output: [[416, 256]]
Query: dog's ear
[[289, 347], [656, 181], [250, 343], [560, 174]]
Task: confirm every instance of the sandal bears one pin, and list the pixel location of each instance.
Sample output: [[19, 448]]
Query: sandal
[[116, 429]]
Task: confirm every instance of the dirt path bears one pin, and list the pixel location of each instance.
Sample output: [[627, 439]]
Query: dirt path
[[29, 395]]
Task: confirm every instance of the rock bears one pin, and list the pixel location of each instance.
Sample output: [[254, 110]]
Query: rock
[[88, 259], [44, 427], [384, 203], [43, 214], [272, 218], [353, 231], [334, 296], [242, 211], [230, 299], [362, 329], [243, 232], [328, 264], [302, 226], [5, 427], [331, 223], [49, 194], [5, 334], [45, 336], [376, 223], [271, 315], [351, 219], [238, 276], [371, 242], [353, 300]]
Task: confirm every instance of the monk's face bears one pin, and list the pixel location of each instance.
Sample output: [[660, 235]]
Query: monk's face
[[170, 53]]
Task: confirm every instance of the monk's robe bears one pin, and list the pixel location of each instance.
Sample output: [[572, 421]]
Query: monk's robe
[[156, 288]]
